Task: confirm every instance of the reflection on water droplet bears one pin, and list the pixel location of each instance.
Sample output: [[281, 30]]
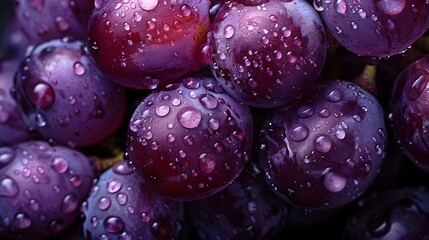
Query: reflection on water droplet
[[189, 118]]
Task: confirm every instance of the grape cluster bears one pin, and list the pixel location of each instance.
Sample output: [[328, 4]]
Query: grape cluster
[[226, 119]]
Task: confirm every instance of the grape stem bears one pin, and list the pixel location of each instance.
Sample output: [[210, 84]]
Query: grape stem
[[367, 79], [102, 164]]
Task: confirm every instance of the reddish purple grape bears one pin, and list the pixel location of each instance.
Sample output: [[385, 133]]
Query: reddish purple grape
[[190, 140], [396, 214], [41, 189], [376, 28], [43, 20], [410, 111], [121, 207], [266, 55], [246, 209], [325, 150], [12, 126], [65, 97], [143, 44]]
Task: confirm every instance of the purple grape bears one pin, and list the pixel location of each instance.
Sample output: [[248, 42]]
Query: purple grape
[[43, 20], [189, 140], [410, 111], [143, 44], [375, 28], [16, 41], [246, 209], [121, 207], [396, 214], [12, 126], [325, 150], [266, 55], [65, 97], [41, 189]]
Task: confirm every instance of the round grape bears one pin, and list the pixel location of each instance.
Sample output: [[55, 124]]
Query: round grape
[[65, 97], [326, 149], [189, 140], [266, 55]]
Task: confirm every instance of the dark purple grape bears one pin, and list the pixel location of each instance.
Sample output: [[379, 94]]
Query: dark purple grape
[[266, 55], [41, 189], [12, 126], [376, 28], [325, 150], [396, 214], [190, 140], [65, 97], [143, 44], [410, 111], [43, 20], [121, 207], [246, 209]]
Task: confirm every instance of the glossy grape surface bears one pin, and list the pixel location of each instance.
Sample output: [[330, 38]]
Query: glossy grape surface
[[410, 111], [143, 44], [41, 189], [12, 126], [246, 209], [190, 140], [267, 55], [326, 150], [396, 214], [43, 20], [375, 28], [65, 97], [121, 207]]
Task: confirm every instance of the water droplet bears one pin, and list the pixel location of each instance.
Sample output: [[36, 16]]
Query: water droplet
[[145, 217], [40, 120], [171, 137], [334, 182], [34, 205], [114, 225], [122, 168], [323, 144], [333, 95], [69, 203], [122, 198], [341, 6], [6, 156], [340, 134], [189, 118], [148, 4], [229, 31], [391, 7], [76, 181], [104, 203], [305, 111], [94, 221], [8, 187], [362, 13], [62, 23], [357, 118], [208, 101], [79, 68], [43, 95], [60, 165], [207, 162], [299, 133], [162, 110], [22, 221], [318, 5], [114, 185], [214, 124]]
